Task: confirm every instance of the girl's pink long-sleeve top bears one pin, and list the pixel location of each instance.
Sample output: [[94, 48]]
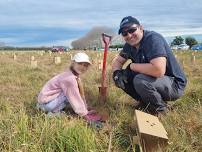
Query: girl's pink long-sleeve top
[[65, 82]]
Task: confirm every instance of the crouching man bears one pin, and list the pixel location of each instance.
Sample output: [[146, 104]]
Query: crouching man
[[154, 76]]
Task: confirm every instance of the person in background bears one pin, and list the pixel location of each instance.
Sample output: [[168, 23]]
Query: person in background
[[154, 76], [66, 89]]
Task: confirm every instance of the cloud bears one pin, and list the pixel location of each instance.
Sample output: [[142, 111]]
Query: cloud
[[52, 43], [48, 21], [34, 36], [181, 31], [9, 41]]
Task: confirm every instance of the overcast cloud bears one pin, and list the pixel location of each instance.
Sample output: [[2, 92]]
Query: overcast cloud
[[51, 22]]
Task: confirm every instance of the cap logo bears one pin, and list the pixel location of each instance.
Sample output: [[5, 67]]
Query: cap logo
[[124, 21]]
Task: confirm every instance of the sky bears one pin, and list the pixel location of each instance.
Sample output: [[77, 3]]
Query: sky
[[59, 22]]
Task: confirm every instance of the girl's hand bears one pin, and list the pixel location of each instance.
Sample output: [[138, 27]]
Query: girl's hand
[[92, 111]]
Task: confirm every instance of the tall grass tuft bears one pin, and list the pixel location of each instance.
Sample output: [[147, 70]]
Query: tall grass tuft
[[23, 128]]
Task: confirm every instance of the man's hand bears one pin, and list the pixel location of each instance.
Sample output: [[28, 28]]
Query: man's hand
[[120, 78]]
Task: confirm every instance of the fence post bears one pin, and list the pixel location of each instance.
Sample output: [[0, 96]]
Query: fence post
[[14, 57], [57, 60], [33, 64], [193, 59]]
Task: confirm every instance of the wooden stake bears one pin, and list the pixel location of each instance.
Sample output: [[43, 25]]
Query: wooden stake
[[57, 60], [193, 59], [33, 64], [50, 53], [110, 142], [32, 58], [14, 57], [100, 62]]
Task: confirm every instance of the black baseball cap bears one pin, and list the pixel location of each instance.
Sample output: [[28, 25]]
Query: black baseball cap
[[128, 21]]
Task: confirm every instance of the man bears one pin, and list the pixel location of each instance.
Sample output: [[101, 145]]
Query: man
[[154, 76]]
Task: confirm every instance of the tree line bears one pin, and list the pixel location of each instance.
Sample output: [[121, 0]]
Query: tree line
[[190, 41], [10, 48]]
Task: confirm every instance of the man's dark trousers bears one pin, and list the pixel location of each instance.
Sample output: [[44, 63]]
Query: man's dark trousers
[[151, 91]]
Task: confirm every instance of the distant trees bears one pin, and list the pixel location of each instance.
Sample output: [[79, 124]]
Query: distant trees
[[177, 40], [116, 46], [10, 48], [190, 41]]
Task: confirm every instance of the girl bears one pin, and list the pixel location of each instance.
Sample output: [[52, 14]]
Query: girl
[[65, 88]]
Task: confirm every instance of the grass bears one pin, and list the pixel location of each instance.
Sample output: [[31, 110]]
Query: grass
[[23, 128]]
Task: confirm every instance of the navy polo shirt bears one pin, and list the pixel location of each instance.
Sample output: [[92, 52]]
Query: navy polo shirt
[[153, 45]]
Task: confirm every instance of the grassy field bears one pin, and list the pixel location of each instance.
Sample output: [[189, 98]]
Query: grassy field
[[25, 129]]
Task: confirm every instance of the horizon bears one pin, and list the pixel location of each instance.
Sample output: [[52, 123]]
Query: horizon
[[169, 39]]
